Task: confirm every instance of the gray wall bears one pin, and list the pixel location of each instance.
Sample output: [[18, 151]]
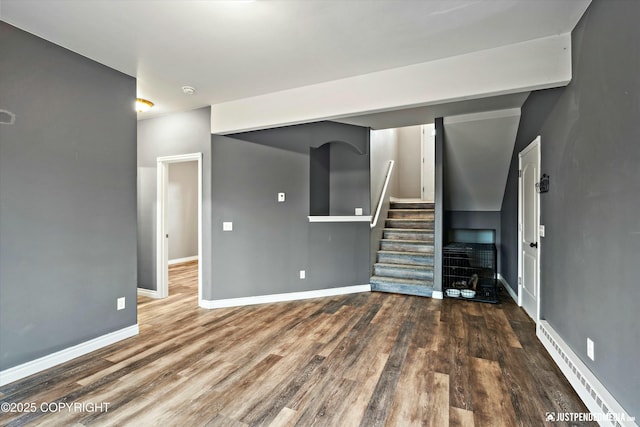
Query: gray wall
[[482, 220], [182, 210], [409, 164], [67, 198], [440, 190], [174, 134], [485, 220], [590, 149], [534, 111], [271, 242], [348, 176]]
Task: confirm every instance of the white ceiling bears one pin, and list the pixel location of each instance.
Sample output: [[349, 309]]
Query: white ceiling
[[230, 50]]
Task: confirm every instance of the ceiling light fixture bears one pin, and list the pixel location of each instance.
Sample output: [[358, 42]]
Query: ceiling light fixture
[[143, 105], [189, 90]]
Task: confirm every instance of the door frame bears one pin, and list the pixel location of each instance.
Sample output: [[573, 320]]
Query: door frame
[[427, 131], [162, 243], [534, 145]]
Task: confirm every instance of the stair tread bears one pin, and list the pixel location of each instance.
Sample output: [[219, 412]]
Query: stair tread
[[407, 205], [411, 219], [418, 282], [411, 230], [408, 253], [407, 266], [411, 210], [411, 202], [422, 242]]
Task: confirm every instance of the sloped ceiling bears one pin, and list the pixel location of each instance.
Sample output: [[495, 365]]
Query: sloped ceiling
[[428, 114], [477, 155]]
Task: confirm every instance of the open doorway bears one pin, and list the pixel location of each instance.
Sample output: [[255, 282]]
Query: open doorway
[[175, 219]]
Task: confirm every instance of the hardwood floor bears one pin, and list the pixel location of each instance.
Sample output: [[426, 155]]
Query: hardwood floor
[[368, 359]]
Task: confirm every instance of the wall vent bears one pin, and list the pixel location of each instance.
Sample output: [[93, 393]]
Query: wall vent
[[594, 395]]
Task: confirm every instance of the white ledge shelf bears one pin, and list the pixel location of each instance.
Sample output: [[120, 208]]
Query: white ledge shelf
[[340, 218]]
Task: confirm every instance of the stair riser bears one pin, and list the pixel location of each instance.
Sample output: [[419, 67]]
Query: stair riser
[[408, 235], [403, 273], [405, 259], [425, 225], [425, 291], [412, 214], [406, 247], [417, 205]]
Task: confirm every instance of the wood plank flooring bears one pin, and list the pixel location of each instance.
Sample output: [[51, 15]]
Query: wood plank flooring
[[369, 359]]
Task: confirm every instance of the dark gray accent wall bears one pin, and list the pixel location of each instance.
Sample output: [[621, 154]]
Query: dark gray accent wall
[[534, 111], [349, 175], [320, 180], [67, 198], [170, 135], [590, 149], [440, 194], [271, 242], [478, 220]]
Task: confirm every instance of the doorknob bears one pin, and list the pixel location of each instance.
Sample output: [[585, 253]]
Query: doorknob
[[533, 245]]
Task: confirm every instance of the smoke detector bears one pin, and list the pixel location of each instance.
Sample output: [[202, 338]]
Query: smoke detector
[[188, 90]]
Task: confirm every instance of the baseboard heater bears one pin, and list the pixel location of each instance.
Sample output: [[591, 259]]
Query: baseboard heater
[[592, 392]]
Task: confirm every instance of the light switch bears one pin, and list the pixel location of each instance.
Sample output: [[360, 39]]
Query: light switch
[[227, 226], [280, 197], [541, 231], [358, 211], [303, 274]]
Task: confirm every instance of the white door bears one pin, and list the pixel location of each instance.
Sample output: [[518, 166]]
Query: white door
[[427, 171], [529, 244]]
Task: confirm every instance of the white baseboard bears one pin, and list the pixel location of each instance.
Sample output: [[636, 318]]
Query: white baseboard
[[291, 296], [508, 288], [437, 295], [180, 260], [148, 293], [21, 371], [592, 392]]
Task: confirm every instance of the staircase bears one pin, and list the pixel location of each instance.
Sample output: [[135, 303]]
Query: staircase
[[405, 259]]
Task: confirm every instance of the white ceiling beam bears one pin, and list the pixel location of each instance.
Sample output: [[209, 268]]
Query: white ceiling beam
[[521, 67]]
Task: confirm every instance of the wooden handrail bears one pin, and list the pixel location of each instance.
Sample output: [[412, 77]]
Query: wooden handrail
[[382, 194]]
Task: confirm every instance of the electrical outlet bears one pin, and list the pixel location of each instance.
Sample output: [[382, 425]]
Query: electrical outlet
[[358, 211], [303, 274], [120, 303], [541, 230], [590, 349], [281, 197], [227, 226]]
